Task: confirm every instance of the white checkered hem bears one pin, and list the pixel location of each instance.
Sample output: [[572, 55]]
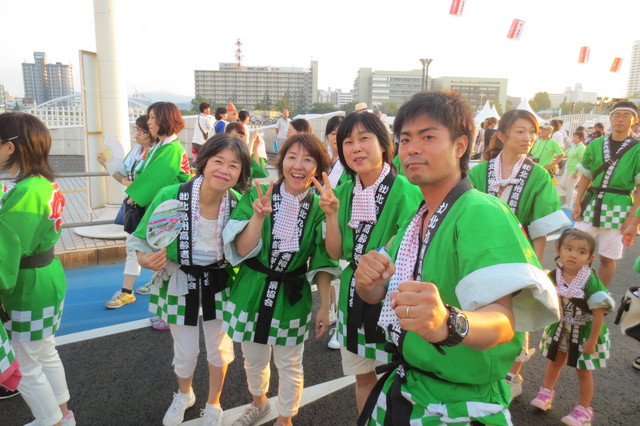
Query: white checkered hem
[[6, 350], [35, 325], [611, 217], [548, 224], [377, 348], [601, 299], [300, 334], [534, 307]]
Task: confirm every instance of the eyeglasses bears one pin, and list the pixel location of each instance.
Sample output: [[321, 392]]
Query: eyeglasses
[[623, 115], [139, 130], [10, 139]]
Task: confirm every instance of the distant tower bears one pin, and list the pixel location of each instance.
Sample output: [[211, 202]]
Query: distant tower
[[633, 86], [239, 54]]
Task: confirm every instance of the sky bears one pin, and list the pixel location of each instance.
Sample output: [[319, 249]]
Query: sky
[[162, 42]]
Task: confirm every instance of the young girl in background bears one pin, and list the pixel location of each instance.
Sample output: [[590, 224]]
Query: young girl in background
[[580, 339]]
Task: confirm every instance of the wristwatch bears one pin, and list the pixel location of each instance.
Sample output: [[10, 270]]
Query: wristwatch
[[458, 326]]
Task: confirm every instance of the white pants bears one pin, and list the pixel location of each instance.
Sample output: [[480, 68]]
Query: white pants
[[131, 265], [288, 360], [186, 346], [567, 184], [43, 385]]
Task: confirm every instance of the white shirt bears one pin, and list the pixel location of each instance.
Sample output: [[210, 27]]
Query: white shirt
[[282, 127], [205, 121]]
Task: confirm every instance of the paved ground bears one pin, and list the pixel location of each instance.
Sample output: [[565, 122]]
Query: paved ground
[[126, 379]]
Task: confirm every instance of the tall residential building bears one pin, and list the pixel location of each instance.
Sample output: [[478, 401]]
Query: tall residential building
[[44, 82], [633, 86], [377, 87], [247, 86], [476, 90]]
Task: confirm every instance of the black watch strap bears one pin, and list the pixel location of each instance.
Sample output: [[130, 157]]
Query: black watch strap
[[458, 327]]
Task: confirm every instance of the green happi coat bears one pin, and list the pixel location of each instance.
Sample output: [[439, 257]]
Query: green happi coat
[[290, 323], [478, 255], [31, 215], [596, 296], [539, 209], [164, 165], [402, 201], [259, 168], [615, 207], [171, 308], [8, 275]]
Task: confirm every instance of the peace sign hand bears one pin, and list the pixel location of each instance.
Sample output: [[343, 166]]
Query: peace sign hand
[[262, 205], [329, 203]]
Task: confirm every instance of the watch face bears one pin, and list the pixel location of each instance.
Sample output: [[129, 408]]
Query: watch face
[[461, 325]]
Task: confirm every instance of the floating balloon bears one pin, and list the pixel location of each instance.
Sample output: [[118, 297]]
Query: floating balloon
[[456, 7], [516, 29], [583, 58], [615, 66]]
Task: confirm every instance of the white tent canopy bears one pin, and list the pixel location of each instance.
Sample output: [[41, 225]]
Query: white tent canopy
[[486, 112], [525, 105]]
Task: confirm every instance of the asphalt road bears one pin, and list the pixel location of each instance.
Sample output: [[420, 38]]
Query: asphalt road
[[126, 379]]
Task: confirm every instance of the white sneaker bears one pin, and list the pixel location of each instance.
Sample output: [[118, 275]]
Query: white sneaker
[[68, 420], [515, 384], [211, 416], [333, 343], [175, 413], [332, 316], [252, 414]]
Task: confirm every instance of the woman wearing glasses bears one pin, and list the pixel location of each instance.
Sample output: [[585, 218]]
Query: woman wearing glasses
[[165, 164], [32, 283], [126, 175]]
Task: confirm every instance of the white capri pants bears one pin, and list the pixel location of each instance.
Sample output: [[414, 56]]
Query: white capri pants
[[131, 265], [288, 360], [186, 346], [43, 385]]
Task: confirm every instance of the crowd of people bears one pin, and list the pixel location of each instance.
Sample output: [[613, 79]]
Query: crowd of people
[[436, 267]]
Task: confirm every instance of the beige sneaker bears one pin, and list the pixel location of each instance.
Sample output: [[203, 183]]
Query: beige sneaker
[[120, 299]]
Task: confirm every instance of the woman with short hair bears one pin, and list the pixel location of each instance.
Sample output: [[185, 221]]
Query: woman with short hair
[[192, 272], [275, 235]]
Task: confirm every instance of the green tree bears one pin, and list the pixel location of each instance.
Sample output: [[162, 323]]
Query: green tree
[[195, 103], [509, 105], [533, 105], [322, 108], [299, 104], [498, 105], [389, 108], [282, 103], [265, 103], [350, 107], [542, 100]]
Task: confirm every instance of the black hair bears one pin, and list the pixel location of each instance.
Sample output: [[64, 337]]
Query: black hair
[[371, 123], [219, 143], [504, 127], [204, 105], [243, 115], [219, 112], [301, 125], [447, 108], [577, 234], [333, 124]]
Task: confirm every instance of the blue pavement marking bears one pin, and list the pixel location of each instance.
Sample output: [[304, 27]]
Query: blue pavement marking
[[88, 289]]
